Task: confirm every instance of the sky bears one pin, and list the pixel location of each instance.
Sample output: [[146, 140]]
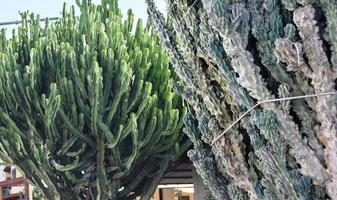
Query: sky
[[9, 10]]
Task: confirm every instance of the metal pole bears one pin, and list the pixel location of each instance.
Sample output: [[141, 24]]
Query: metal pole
[[20, 21]]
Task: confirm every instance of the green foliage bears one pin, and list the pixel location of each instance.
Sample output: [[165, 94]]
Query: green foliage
[[87, 109], [231, 55], [207, 195], [37, 195]]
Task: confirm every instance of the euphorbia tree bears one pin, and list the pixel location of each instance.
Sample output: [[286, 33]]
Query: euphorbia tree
[[234, 54], [87, 109]]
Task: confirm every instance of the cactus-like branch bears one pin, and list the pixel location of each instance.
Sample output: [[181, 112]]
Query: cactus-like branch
[[246, 52], [87, 102]]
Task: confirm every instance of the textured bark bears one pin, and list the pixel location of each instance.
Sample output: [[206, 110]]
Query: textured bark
[[231, 55]]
